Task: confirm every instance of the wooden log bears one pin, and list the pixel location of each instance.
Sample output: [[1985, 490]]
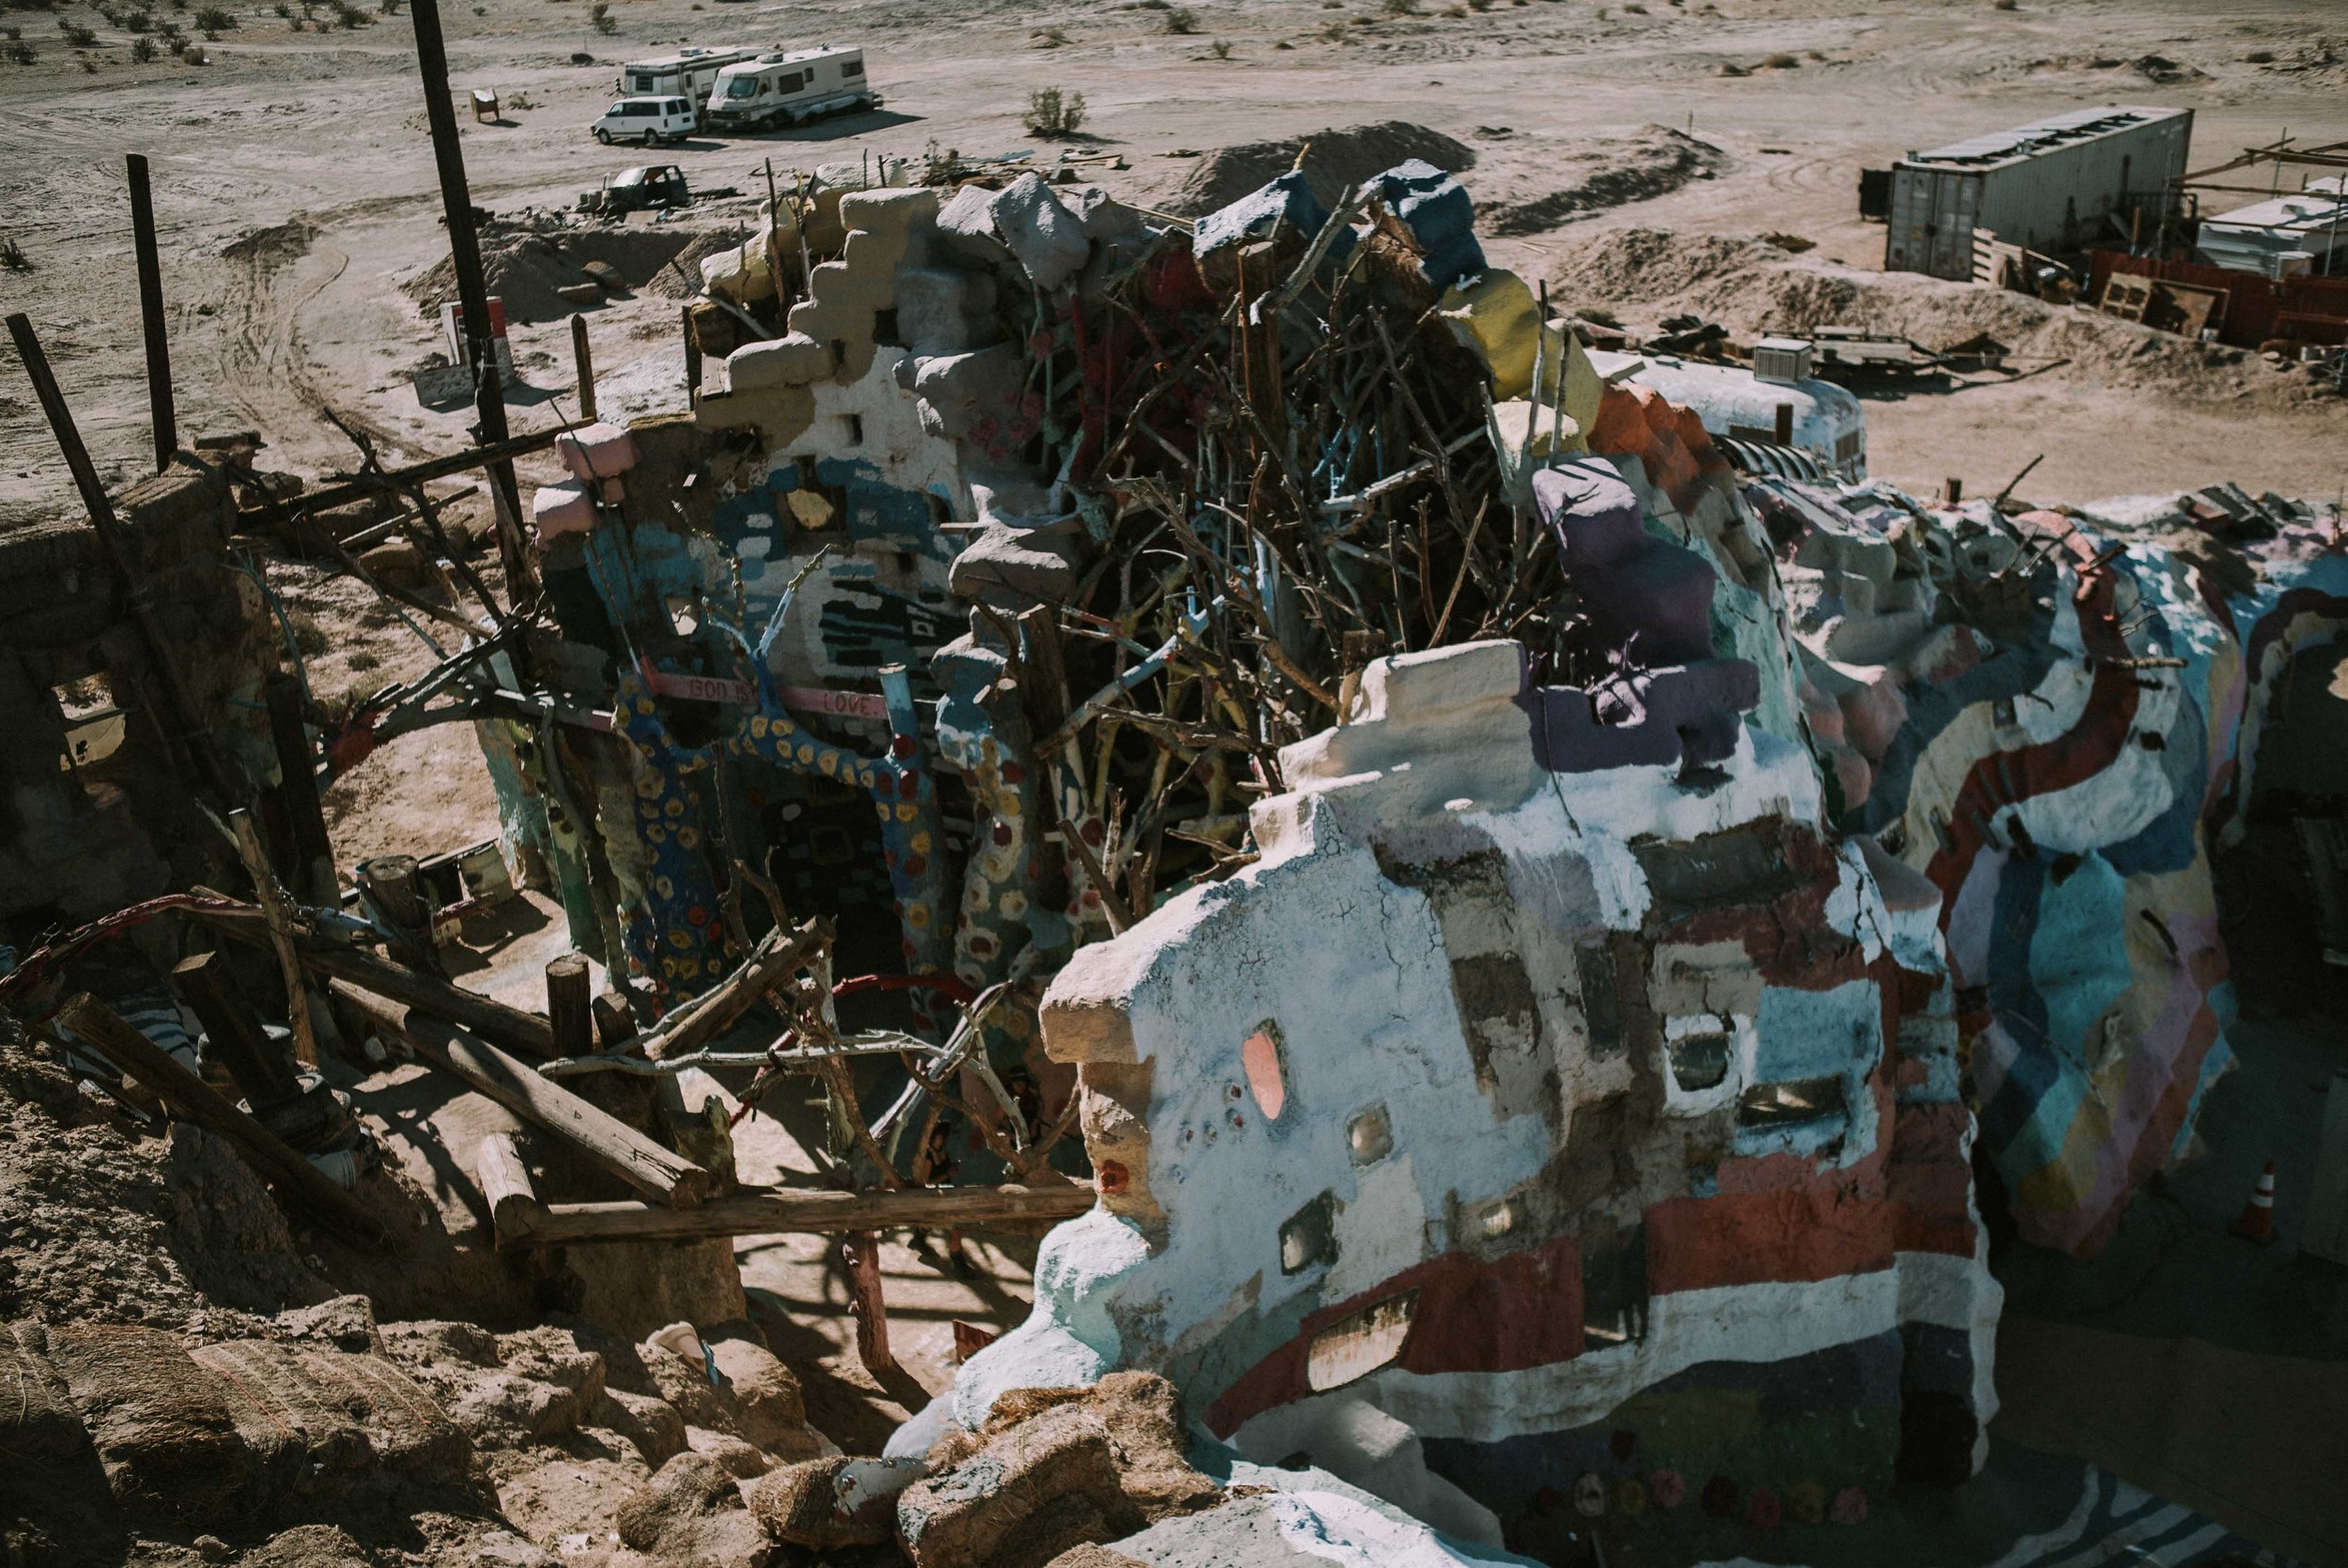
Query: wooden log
[[711, 1013], [272, 900], [508, 1028], [235, 1030], [777, 1211], [514, 1207], [570, 1005], [295, 1178], [602, 1138]]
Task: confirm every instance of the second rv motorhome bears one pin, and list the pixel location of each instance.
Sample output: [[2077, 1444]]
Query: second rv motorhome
[[687, 73], [788, 89]]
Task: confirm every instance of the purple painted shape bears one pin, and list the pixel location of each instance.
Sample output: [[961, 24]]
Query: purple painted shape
[[1645, 597], [1688, 715], [1650, 602]]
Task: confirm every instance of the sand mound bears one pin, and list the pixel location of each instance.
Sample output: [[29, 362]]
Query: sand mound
[[525, 268], [1588, 175], [1333, 161], [1645, 274], [682, 281], [273, 246]]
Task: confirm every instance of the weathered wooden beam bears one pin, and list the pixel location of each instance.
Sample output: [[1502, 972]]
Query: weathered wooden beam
[[509, 1028], [296, 1179], [483, 456], [778, 953], [514, 1207], [600, 1137], [281, 934], [776, 1211]]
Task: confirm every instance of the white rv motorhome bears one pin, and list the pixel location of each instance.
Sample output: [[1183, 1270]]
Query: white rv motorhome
[[788, 89], [687, 73]]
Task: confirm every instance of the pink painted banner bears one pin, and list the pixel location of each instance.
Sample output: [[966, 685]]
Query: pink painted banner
[[808, 699]]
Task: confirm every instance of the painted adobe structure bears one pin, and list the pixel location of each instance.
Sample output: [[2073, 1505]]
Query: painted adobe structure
[[1631, 1143], [1577, 1086], [2056, 724]]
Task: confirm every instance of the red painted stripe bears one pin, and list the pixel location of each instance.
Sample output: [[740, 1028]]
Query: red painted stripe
[[1473, 1315]]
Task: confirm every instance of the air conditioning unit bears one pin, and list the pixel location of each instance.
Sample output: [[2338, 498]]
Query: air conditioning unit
[[1783, 360]]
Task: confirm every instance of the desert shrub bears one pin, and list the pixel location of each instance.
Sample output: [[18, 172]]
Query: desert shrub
[[1399, 7], [20, 53], [309, 638], [600, 14], [1050, 37], [143, 52], [1220, 49], [1181, 18], [76, 34], [1053, 114], [215, 20], [1779, 62]]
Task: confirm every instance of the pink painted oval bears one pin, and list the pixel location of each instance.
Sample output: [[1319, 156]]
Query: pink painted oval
[[1260, 1058]]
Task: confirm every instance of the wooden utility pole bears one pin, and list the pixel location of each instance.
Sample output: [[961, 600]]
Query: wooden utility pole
[[472, 290], [159, 398]]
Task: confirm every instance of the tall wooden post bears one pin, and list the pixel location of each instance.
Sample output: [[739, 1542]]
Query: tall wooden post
[[393, 879], [159, 398], [472, 290], [585, 364], [570, 1005]]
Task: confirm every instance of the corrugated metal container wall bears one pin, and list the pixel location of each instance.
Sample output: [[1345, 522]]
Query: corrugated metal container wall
[[2061, 199], [1932, 215], [2055, 199]]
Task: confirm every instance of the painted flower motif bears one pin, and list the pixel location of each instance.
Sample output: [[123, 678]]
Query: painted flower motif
[[1629, 1496], [1667, 1488], [1806, 1502], [1719, 1497], [1589, 1491], [1763, 1511], [1849, 1506]]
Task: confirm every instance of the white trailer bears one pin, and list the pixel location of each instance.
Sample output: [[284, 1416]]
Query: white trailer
[[789, 89], [2050, 186], [687, 73]]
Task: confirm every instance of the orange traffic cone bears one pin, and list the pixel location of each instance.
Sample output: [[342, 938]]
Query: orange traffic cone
[[2256, 1220]]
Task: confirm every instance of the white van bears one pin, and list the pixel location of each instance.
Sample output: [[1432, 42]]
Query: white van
[[687, 73], [649, 120], [789, 89]]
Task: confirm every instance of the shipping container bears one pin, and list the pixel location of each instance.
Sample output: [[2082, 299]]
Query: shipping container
[[2052, 186]]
